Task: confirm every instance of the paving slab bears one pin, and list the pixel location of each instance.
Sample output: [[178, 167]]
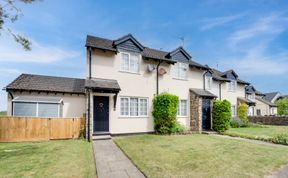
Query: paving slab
[[111, 162]]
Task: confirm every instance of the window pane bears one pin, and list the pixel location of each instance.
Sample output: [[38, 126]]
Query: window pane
[[25, 109], [183, 108], [125, 62], [143, 107], [47, 110], [134, 63], [133, 106], [124, 107]]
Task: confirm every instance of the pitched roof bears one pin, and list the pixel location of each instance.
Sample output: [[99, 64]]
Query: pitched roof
[[202, 93], [102, 84], [246, 100], [221, 76], [270, 96], [31, 82], [107, 44], [265, 101]]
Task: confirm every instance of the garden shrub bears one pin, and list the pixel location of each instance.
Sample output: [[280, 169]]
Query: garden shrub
[[235, 124], [177, 128], [282, 107], [242, 112], [164, 113], [281, 139], [221, 115]]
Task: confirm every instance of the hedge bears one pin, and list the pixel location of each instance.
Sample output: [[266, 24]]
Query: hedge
[[221, 115]]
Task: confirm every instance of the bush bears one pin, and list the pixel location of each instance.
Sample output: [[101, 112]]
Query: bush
[[221, 115], [235, 124], [281, 139], [242, 112], [177, 128], [164, 113], [282, 107]]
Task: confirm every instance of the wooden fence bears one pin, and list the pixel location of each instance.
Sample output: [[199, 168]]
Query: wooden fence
[[17, 129]]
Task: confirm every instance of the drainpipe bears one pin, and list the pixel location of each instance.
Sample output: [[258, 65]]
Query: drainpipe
[[220, 90], [157, 77], [90, 56], [204, 85]]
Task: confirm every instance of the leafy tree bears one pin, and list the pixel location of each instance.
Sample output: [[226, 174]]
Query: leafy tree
[[242, 112], [10, 13], [282, 107]]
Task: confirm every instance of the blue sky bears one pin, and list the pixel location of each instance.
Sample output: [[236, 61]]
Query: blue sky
[[249, 36]]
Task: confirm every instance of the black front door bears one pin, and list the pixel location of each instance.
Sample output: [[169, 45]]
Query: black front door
[[206, 114], [101, 114]]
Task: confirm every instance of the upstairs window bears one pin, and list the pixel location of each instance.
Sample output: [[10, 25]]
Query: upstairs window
[[250, 97], [130, 62], [232, 85], [180, 70], [208, 82]]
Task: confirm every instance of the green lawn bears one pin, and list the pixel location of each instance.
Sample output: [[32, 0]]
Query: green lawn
[[201, 156], [261, 133], [3, 113], [68, 158]]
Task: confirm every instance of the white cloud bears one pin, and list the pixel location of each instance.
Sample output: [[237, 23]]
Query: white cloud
[[218, 21], [257, 63], [9, 72], [266, 26], [11, 51]]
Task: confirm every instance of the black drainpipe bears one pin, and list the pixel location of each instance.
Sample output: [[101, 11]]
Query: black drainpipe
[[88, 92], [157, 77]]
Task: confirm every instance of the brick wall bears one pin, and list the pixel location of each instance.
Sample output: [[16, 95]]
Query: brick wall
[[269, 120]]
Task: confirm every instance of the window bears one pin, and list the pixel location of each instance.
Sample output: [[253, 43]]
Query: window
[[130, 62], [133, 107], [180, 70], [233, 109], [232, 85], [250, 96], [258, 112], [208, 82], [28, 106], [182, 108]]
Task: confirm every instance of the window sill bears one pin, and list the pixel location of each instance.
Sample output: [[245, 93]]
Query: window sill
[[123, 71], [182, 116], [180, 79], [133, 117]]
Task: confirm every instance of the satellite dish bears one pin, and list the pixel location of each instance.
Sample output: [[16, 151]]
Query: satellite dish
[[150, 67]]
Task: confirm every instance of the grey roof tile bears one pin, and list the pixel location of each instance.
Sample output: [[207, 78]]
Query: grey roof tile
[[103, 84], [269, 96], [265, 101], [31, 82]]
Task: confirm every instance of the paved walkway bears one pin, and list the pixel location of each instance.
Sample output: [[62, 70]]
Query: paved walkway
[[111, 161]]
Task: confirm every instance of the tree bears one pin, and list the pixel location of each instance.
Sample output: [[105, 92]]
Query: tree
[[282, 107], [10, 13]]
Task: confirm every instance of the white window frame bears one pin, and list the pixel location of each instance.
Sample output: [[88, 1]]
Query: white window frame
[[128, 97], [129, 61], [37, 108], [208, 82], [179, 114], [235, 110], [230, 88], [176, 68]]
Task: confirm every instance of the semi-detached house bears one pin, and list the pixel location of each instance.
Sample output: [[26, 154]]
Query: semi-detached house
[[123, 76]]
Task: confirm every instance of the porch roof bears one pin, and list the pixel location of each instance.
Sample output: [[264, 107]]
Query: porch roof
[[102, 85], [202, 93], [247, 101]]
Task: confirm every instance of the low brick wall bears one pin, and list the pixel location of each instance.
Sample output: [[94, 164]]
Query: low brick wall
[[270, 120]]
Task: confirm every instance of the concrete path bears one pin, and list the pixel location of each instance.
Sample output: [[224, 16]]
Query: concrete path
[[111, 162], [281, 173]]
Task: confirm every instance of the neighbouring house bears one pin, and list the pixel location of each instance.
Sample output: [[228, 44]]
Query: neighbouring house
[[226, 85], [272, 96]]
